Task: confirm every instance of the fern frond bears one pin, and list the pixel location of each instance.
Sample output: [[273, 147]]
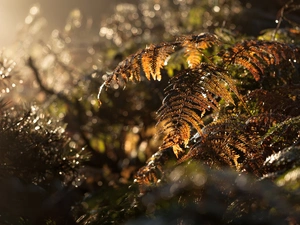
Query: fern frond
[[189, 95], [195, 44], [154, 57], [224, 144], [151, 60], [281, 99], [245, 143], [263, 57], [128, 69], [285, 132]]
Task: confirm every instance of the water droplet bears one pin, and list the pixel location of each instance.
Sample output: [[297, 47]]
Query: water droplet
[[156, 7], [34, 10], [28, 19], [216, 9]]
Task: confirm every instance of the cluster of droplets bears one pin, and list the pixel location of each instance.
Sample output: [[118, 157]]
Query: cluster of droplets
[[154, 20], [31, 31], [41, 142], [6, 67], [125, 23], [76, 50], [69, 52]]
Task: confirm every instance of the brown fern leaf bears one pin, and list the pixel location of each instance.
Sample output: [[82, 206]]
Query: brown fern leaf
[[224, 143], [256, 127], [195, 44], [189, 95], [151, 60], [242, 144], [283, 134], [281, 100], [263, 57], [128, 69], [154, 58]]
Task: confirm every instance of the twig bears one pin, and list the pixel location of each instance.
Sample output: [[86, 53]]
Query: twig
[[42, 86]]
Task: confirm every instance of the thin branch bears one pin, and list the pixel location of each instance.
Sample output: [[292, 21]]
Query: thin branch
[[42, 86]]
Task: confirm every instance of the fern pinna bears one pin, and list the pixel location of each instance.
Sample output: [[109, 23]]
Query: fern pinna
[[189, 95], [205, 86], [263, 58], [152, 58]]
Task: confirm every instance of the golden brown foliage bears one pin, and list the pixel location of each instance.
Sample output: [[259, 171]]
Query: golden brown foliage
[[152, 58], [189, 95], [234, 136], [194, 46], [261, 58]]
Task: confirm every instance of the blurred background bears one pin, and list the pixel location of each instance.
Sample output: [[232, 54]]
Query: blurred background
[[66, 160], [13, 13]]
